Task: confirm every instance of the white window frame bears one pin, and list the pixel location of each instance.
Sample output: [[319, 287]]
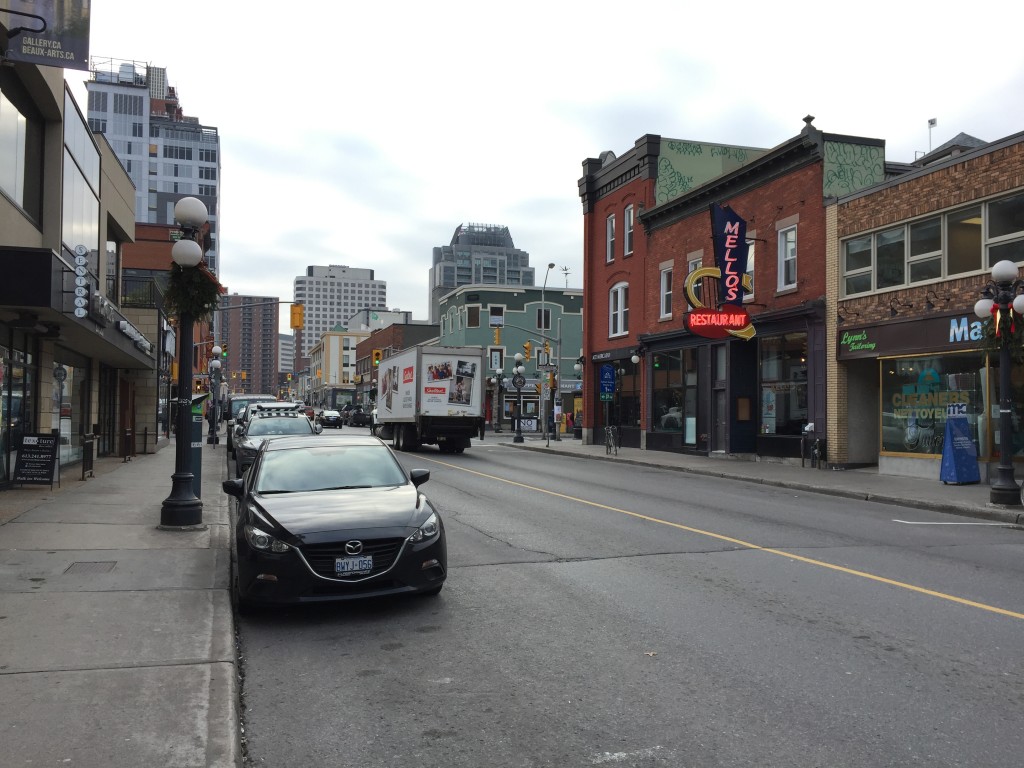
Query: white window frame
[[694, 263], [627, 227], [618, 310], [751, 243], [787, 256], [543, 318], [666, 293], [609, 238]]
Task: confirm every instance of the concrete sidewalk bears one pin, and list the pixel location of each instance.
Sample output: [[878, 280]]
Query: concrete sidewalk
[[118, 637]]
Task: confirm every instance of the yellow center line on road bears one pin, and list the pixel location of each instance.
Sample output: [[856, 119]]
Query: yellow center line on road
[[746, 544]]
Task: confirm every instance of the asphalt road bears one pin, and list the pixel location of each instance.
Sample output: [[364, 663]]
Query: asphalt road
[[598, 614]]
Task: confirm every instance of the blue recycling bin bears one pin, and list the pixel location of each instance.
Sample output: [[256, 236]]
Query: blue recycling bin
[[197, 443]]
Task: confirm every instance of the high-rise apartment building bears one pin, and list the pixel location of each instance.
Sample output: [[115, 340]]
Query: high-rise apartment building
[[331, 295], [248, 331], [167, 154], [478, 254]]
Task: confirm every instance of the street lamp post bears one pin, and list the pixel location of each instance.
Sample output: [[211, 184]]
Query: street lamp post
[[500, 384], [518, 381], [183, 509], [542, 326], [1001, 297], [214, 371]]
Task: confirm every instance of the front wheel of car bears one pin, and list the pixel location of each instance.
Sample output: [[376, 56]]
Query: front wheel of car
[[243, 607]]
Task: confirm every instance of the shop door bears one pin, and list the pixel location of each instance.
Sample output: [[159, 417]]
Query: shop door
[[126, 417]]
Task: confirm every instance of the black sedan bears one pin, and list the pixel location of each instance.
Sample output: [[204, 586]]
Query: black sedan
[[329, 419], [333, 518]]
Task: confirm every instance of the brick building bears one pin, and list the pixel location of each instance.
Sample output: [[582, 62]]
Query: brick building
[[663, 386], [910, 258]]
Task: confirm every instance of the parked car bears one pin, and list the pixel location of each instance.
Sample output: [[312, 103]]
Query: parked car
[[236, 404], [267, 422], [329, 419], [308, 410], [333, 518], [358, 417]]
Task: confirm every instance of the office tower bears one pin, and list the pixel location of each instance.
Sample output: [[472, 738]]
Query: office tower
[[478, 254]]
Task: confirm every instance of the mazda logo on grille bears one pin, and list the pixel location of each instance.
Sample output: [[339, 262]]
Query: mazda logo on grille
[[353, 547]]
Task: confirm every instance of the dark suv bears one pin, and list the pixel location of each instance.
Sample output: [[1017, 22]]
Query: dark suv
[[358, 417]]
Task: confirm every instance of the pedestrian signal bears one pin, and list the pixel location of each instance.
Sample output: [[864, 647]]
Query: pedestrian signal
[[378, 355]]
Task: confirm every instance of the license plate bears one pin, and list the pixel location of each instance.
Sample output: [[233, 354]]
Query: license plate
[[347, 565]]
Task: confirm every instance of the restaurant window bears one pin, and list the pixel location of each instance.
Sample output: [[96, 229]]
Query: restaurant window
[[918, 392], [783, 384], [674, 393]]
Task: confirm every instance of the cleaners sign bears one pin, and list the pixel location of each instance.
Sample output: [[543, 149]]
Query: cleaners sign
[[729, 235]]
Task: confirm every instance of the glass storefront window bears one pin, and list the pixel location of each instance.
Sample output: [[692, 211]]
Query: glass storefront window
[[918, 392], [674, 393], [783, 384]]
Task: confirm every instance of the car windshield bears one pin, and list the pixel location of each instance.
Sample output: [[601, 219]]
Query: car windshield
[[328, 468], [279, 426]]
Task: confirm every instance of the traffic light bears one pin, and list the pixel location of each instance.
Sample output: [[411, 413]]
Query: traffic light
[[378, 354], [497, 335], [528, 349], [224, 351], [547, 348], [298, 316], [538, 387], [243, 375]]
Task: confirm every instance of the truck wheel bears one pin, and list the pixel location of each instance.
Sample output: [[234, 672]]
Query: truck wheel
[[399, 437]]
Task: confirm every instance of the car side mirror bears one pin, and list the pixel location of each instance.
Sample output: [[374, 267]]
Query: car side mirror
[[233, 487], [319, 428], [419, 476]]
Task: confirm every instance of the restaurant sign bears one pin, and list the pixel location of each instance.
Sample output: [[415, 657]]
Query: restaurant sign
[[729, 237]]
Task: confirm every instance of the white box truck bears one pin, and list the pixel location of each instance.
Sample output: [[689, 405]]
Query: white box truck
[[431, 396]]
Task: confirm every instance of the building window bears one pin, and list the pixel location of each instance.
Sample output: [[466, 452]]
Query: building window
[[751, 242], [21, 156], [210, 174], [666, 293], [959, 242], [628, 234], [609, 238], [543, 319], [787, 258], [783, 384], [674, 393], [695, 262], [618, 310], [911, 386], [473, 316], [496, 316]]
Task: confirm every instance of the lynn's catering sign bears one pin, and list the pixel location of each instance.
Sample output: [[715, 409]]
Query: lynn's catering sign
[[729, 235]]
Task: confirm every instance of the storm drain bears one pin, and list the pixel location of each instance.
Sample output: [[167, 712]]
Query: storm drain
[[100, 567]]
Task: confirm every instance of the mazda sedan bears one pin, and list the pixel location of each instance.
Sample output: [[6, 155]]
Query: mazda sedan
[[333, 518]]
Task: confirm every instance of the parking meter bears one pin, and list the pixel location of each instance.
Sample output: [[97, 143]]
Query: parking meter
[[197, 443]]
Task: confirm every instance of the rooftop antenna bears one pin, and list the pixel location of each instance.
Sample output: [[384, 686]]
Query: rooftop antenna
[[565, 271], [932, 122]]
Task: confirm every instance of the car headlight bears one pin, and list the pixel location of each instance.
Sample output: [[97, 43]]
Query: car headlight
[[428, 530], [263, 541]]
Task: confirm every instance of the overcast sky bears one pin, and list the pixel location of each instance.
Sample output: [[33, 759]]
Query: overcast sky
[[364, 133]]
